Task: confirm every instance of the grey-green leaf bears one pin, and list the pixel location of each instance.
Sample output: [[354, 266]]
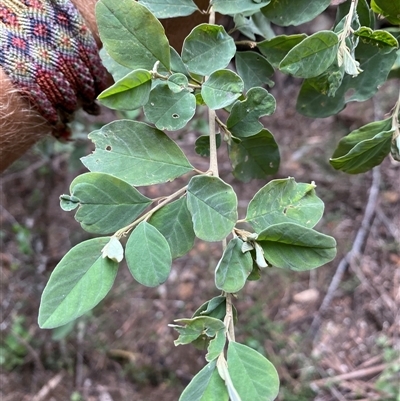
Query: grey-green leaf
[[284, 200], [131, 34], [254, 376], [363, 148], [221, 89], [207, 385], [207, 42], [170, 8], [284, 13], [175, 223], [148, 255], [137, 153], [128, 93], [77, 284], [213, 206], [243, 120], [106, 202], [254, 69], [117, 70], [170, 110], [295, 247], [254, 157], [312, 56], [230, 7], [376, 60], [276, 49], [233, 268]]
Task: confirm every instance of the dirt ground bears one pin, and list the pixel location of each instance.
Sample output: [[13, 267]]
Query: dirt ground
[[124, 349]]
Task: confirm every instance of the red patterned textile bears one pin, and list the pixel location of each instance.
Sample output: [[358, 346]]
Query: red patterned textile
[[50, 55]]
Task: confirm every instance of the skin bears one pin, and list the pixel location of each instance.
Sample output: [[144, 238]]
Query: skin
[[21, 126]]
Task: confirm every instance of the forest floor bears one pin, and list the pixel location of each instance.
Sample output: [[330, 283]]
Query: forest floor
[[124, 349]]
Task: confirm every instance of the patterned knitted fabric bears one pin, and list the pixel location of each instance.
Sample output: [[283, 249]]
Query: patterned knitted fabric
[[51, 57]]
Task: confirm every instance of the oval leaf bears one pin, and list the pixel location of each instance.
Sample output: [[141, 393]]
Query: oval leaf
[[364, 148], [125, 27], [276, 49], [243, 120], [129, 93], [207, 42], [148, 255], [207, 385], [213, 206], [229, 7], [221, 89], [175, 224], [170, 8], [233, 268], [284, 13], [254, 69], [284, 201], [136, 153], [294, 247], [170, 110], [254, 376], [312, 56], [106, 202], [77, 284], [254, 157]]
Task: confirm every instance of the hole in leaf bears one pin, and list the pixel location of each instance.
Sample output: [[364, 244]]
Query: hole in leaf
[[108, 148], [175, 115]]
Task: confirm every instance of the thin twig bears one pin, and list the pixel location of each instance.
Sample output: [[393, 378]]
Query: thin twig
[[49, 386], [356, 250], [356, 374]]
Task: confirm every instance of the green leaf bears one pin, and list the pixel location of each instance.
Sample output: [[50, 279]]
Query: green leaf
[[207, 385], [376, 60], [282, 201], [254, 157], [148, 255], [221, 89], [395, 147], [243, 120], [131, 34], [137, 153], [312, 56], [106, 202], [177, 82], [129, 93], [175, 224], [230, 7], [170, 110], [254, 376], [254, 69], [377, 37], [233, 268], [388, 8], [285, 13], [207, 42], [213, 206], [202, 145], [215, 307], [117, 71], [276, 49], [196, 327], [77, 284], [113, 250], [216, 345], [295, 247], [363, 148], [68, 202], [170, 8]]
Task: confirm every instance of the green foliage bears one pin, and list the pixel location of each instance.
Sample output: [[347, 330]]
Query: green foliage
[[347, 63]]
